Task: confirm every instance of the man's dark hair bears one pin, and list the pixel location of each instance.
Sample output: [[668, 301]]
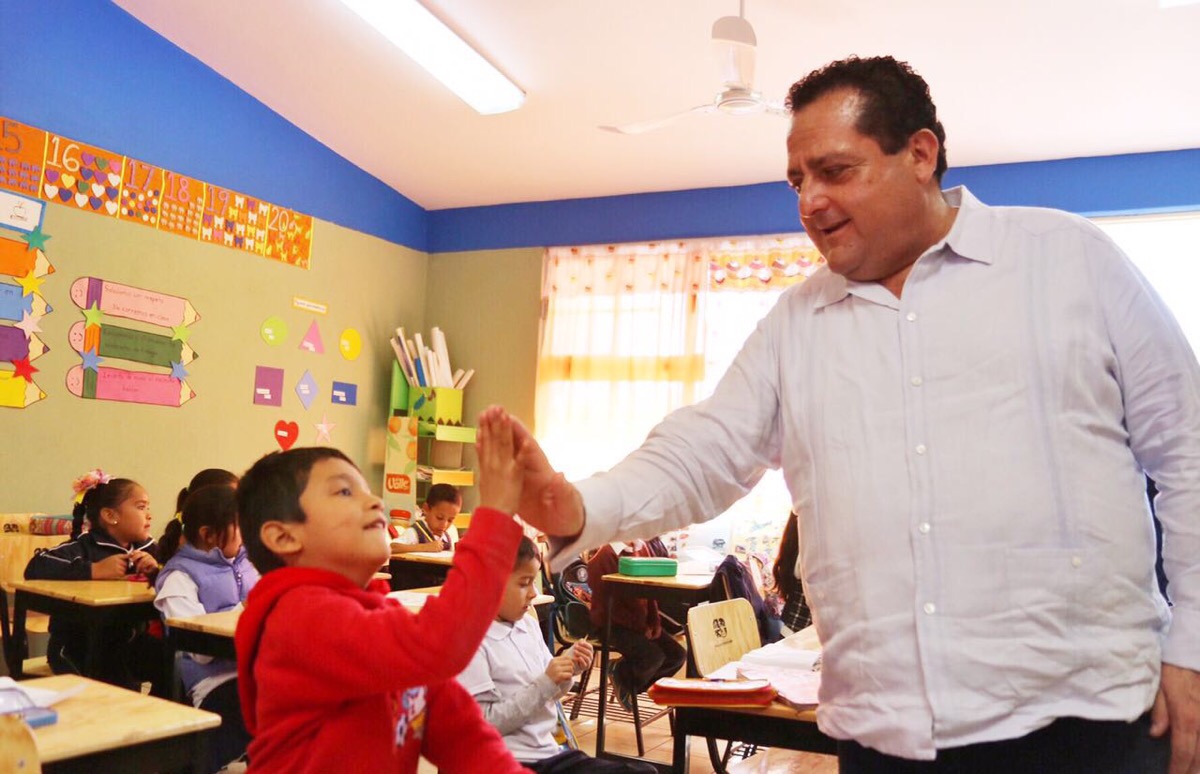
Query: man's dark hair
[[896, 102], [270, 491]]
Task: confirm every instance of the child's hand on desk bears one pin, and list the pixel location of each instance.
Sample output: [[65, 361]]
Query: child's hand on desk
[[142, 562], [561, 667], [499, 474], [111, 568], [581, 655]]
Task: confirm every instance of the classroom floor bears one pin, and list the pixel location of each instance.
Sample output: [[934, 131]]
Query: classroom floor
[[619, 738]]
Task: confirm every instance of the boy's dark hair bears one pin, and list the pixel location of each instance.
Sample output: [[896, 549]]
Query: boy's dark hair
[[270, 491], [442, 493], [174, 529], [214, 507], [96, 499], [526, 550], [896, 101]]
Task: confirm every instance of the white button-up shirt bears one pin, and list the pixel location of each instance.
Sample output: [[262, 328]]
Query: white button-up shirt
[[967, 464]]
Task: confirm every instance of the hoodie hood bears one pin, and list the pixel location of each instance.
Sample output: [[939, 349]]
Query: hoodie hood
[[259, 605]]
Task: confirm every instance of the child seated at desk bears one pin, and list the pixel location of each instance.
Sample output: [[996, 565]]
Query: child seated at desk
[[117, 546], [335, 676], [647, 652], [209, 573], [173, 533], [434, 529], [518, 684]]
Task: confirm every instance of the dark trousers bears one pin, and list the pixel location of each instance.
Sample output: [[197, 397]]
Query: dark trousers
[[1066, 746], [229, 741], [573, 760], [644, 660], [127, 656]]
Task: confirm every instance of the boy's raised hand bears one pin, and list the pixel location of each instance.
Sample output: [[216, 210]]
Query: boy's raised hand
[[499, 472]]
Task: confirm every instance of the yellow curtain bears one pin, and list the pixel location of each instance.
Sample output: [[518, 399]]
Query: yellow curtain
[[621, 346]]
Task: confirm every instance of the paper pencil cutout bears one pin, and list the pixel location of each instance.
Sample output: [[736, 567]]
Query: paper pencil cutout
[[127, 344], [117, 300], [18, 392], [103, 383], [17, 261], [14, 345], [14, 303]]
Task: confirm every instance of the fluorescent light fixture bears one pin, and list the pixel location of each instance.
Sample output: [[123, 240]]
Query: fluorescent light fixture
[[431, 44]]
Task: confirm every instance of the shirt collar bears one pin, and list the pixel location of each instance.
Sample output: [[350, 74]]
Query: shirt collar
[[969, 237], [500, 630]]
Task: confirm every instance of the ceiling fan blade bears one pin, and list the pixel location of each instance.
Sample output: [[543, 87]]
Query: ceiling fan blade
[[775, 108], [734, 44], [646, 126]]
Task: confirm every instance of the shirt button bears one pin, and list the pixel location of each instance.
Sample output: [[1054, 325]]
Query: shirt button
[[924, 528], [929, 608], [920, 448], [916, 381], [911, 317], [1076, 561]]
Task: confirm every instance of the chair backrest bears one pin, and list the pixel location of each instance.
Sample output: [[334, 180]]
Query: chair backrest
[[721, 632], [18, 752]]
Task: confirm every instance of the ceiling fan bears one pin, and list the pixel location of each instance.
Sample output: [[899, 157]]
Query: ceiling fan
[[734, 43]]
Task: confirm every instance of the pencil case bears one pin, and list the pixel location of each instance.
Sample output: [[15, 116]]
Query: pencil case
[[647, 566]]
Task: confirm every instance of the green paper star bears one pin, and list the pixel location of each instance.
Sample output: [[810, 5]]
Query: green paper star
[[93, 314], [181, 333], [36, 239]]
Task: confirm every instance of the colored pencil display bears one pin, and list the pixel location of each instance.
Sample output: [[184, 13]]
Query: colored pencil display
[[18, 392], [127, 344], [16, 260], [15, 345], [14, 303], [117, 300], [103, 383]]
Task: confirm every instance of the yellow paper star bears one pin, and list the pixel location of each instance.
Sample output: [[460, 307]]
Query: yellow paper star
[[181, 333], [30, 284]]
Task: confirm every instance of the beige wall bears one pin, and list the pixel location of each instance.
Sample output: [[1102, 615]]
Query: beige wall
[[488, 305], [367, 283]]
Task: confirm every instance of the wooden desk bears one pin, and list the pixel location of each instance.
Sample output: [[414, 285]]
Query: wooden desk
[[419, 569], [110, 729], [95, 604], [685, 590]]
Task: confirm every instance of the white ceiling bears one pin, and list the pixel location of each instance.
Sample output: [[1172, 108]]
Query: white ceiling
[[1019, 80]]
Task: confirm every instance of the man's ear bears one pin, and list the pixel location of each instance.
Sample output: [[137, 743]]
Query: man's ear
[[923, 149], [281, 538]]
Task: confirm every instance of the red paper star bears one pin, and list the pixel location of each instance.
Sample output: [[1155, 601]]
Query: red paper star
[[24, 369]]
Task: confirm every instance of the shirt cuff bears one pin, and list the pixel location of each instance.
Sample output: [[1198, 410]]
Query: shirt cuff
[[1181, 646], [602, 509]]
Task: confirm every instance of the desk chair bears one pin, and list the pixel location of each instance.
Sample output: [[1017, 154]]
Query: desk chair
[[721, 632], [18, 751]]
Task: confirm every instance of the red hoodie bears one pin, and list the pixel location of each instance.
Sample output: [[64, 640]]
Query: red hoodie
[[337, 678]]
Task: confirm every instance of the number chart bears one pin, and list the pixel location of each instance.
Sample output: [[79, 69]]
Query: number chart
[[34, 162]]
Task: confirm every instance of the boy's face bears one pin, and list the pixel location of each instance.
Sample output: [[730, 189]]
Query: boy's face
[[345, 529], [519, 592], [439, 517]]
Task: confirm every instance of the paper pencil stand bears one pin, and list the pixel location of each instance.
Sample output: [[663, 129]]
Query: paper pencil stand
[[440, 405], [400, 457]]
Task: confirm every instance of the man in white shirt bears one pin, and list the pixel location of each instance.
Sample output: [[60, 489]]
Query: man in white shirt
[[964, 404]]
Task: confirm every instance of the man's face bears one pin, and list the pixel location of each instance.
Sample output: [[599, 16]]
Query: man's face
[[863, 208]]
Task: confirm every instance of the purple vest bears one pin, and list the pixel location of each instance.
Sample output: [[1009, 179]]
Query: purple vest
[[221, 584]]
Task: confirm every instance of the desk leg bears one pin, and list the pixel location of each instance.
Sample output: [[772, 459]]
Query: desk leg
[[170, 669], [603, 679], [19, 647], [680, 760]]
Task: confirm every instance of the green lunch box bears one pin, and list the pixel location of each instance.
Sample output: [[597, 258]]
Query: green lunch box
[[647, 565]]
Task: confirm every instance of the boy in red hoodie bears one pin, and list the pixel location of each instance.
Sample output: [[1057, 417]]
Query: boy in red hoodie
[[333, 675]]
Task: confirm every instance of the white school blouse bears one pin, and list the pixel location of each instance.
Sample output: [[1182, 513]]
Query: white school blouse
[[967, 465]]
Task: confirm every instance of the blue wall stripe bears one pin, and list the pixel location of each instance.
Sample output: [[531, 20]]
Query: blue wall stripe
[[88, 70]]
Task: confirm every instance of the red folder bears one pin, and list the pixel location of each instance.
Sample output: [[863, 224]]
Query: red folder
[[698, 692]]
